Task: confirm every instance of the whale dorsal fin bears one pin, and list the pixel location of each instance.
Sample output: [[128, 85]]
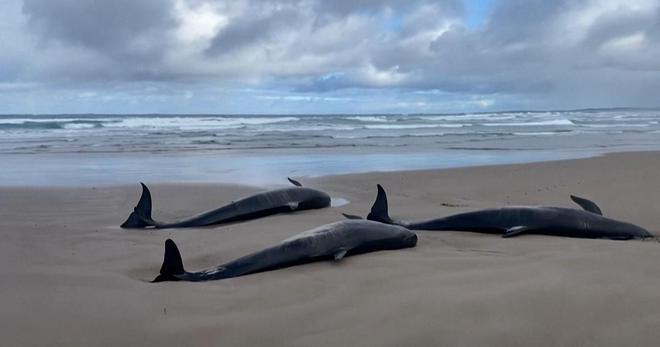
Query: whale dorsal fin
[[294, 182], [351, 216], [379, 211], [141, 215], [515, 231], [587, 205], [172, 263], [340, 253]]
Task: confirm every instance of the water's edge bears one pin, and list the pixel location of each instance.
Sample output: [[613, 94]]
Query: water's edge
[[268, 170]]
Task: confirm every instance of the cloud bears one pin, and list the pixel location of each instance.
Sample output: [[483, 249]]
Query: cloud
[[126, 26], [524, 53], [257, 27], [99, 40]]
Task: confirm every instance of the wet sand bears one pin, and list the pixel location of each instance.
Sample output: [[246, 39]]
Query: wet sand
[[71, 277]]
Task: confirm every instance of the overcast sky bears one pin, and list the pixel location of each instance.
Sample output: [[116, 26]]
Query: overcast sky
[[318, 56]]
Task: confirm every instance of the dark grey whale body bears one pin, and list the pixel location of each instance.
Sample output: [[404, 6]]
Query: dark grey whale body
[[516, 220], [330, 241], [259, 205]]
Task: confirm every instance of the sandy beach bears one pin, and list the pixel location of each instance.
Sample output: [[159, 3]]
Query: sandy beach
[[72, 277]]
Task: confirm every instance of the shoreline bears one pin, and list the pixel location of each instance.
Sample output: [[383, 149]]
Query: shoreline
[[247, 168], [72, 272]]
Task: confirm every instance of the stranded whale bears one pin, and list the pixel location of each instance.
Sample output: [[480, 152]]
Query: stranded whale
[[516, 220], [330, 241], [259, 205]]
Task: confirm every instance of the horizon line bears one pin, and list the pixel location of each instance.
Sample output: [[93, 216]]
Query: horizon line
[[586, 109]]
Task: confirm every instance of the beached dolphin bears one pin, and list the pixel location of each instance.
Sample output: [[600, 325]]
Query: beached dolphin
[[259, 205], [330, 241], [517, 220]]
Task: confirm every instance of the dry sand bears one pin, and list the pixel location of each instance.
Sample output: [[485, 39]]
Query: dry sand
[[71, 277]]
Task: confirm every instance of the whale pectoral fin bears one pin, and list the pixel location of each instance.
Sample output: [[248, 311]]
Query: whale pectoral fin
[[294, 182], [340, 253], [587, 205], [515, 231], [351, 216], [293, 205], [621, 238]]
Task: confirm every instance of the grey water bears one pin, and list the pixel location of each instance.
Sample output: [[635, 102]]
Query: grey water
[[56, 150]]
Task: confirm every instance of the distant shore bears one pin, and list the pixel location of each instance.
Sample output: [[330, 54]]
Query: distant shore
[[72, 277]]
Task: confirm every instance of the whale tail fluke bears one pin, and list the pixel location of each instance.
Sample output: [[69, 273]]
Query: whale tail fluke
[[141, 215], [379, 209], [172, 263]]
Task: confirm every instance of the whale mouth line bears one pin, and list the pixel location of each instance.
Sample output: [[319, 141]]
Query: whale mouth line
[[338, 201]]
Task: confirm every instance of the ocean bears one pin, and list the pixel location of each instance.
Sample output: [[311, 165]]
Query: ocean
[[58, 150]]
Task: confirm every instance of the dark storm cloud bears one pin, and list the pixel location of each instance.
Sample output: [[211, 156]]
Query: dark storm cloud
[[119, 37], [253, 29]]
